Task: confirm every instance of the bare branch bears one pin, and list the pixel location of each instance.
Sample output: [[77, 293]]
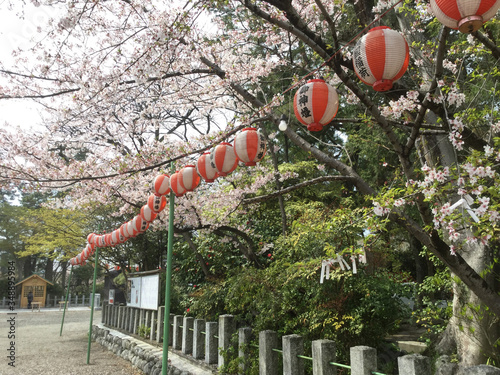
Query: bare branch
[[289, 189]]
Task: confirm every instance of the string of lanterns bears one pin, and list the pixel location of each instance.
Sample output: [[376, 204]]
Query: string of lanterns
[[380, 58], [249, 147]]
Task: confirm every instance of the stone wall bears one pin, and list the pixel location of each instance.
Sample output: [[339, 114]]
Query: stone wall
[[143, 356]]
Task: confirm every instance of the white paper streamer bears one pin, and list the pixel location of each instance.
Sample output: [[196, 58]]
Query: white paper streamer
[[328, 263], [466, 203]]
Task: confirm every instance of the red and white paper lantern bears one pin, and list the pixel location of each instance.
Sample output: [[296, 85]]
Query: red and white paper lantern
[[131, 229], [107, 239], [464, 15], [316, 104], [157, 203], [161, 184], [249, 146], [91, 249], [147, 213], [100, 242], [175, 185], [223, 158], [140, 225], [381, 57], [116, 238], [123, 231], [205, 169], [86, 252], [189, 178], [79, 260]]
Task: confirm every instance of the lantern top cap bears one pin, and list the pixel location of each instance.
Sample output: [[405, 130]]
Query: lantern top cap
[[249, 129], [225, 144], [380, 28], [189, 166]]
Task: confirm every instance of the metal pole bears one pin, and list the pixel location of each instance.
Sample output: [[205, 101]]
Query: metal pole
[[168, 277], [96, 262], [66, 301]]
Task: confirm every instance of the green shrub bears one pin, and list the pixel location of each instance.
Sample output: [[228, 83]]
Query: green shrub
[[144, 331], [352, 309]]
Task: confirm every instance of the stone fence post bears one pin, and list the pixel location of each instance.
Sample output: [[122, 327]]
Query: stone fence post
[[119, 319], [177, 332], [324, 352], [198, 339], [159, 325], [211, 342], [268, 358], [227, 326], [363, 360], [103, 313], [244, 339], [414, 364], [293, 346], [153, 325], [187, 335]]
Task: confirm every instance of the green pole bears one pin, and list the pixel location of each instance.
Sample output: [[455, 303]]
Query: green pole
[[66, 301], [168, 277], [96, 262]]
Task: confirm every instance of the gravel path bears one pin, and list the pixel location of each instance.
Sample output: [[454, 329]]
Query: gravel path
[[39, 349]]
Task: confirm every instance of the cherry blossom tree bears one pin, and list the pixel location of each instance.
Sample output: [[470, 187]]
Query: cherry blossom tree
[[130, 87]]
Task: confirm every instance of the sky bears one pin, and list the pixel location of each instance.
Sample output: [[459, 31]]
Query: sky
[[17, 29]]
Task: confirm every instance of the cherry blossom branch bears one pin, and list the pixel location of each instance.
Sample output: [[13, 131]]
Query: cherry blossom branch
[[30, 76], [238, 88], [76, 89], [331, 23], [40, 96]]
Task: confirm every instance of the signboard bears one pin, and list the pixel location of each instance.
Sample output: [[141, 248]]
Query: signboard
[[143, 291], [135, 292], [111, 296]]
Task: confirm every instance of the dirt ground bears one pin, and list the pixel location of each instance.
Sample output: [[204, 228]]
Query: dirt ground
[[39, 349]]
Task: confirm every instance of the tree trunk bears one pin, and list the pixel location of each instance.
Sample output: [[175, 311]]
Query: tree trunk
[[29, 266], [64, 269], [49, 270], [472, 330]]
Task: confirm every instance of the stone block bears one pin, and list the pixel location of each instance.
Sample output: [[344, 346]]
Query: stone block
[[414, 364], [480, 370]]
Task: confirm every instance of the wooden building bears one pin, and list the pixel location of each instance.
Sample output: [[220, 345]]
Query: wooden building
[[38, 286]]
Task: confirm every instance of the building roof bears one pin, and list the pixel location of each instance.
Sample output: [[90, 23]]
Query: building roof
[[34, 276]]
